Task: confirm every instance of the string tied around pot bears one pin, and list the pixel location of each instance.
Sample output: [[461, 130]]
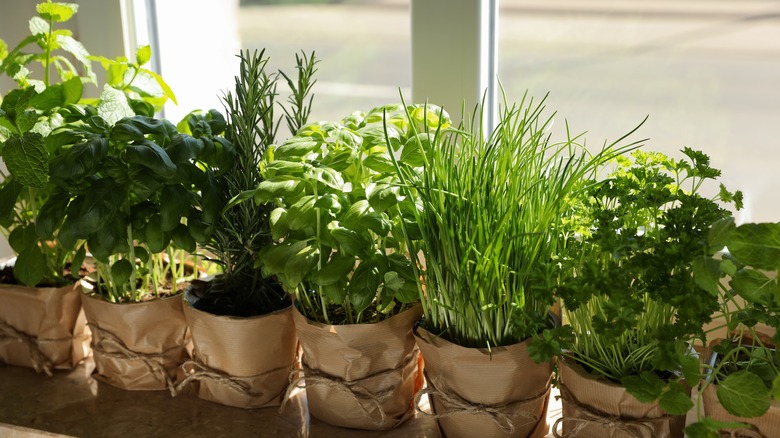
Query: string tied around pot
[[105, 341], [195, 371], [633, 427], [500, 414], [39, 360], [366, 399]]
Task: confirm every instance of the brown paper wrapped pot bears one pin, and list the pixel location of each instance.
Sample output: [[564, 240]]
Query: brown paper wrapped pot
[[479, 393], [361, 376], [596, 408], [137, 346], [241, 362], [43, 328], [765, 426]]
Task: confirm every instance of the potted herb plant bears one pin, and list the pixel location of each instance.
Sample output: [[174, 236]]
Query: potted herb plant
[[632, 300], [242, 325], [338, 222], [492, 207], [41, 323], [739, 392], [133, 189]]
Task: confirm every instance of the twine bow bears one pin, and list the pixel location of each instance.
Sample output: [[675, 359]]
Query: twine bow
[[106, 338], [39, 360], [635, 428], [365, 398], [200, 371], [500, 414]]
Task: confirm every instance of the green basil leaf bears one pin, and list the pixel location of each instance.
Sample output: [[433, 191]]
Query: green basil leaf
[[709, 428], [151, 156], [279, 225], [182, 239], [755, 286], [302, 214], [174, 205], [30, 266], [351, 242], [184, 148], [72, 89], [363, 286], [121, 271], [53, 96], [743, 394], [300, 264], [275, 257], [383, 196], [280, 168], [335, 271], [27, 160], [156, 239], [51, 215], [279, 187], [125, 131], [80, 161], [9, 193], [23, 238], [297, 147]]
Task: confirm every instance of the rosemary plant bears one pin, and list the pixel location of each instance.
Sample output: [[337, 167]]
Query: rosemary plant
[[492, 210], [242, 229]]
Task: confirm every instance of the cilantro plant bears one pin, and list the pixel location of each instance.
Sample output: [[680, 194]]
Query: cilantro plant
[[491, 215], [242, 229], [632, 296], [338, 218]]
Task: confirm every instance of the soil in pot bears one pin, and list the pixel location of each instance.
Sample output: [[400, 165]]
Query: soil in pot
[[361, 376], [476, 392], [597, 408]]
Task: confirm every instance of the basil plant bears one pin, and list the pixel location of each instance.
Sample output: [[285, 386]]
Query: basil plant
[[339, 222], [40, 105]]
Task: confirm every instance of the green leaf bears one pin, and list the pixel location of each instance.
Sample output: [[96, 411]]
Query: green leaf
[[351, 242], [706, 274], [79, 52], [274, 257], [335, 271], [113, 105], [363, 286], [51, 97], [756, 245], [143, 55], [39, 26], [278, 187], [295, 148], [676, 400], [755, 286], [51, 215], [300, 265], [78, 260], [646, 387], [709, 428], [383, 196], [23, 238], [743, 394], [30, 266], [72, 90], [9, 193], [156, 239], [279, 225], [174, 205], [57, 12], [80, 161], [691, 368], [167, 92], [393, 282], [121, 271], [27, 160], [182, 239], [151, 156], [302, 214]]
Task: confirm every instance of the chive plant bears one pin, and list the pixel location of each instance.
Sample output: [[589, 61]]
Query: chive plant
[[492, 210]]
